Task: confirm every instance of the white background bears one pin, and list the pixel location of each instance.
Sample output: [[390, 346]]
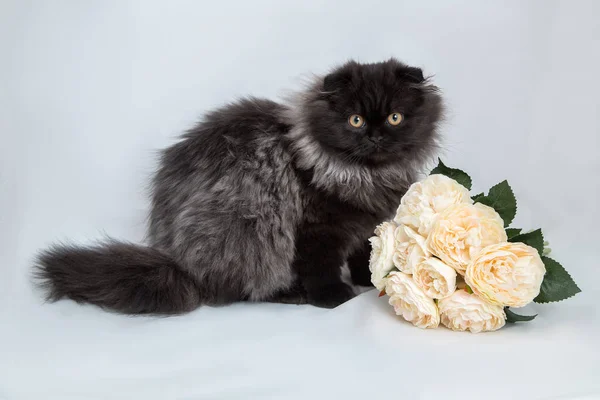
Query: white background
[[90, 90]]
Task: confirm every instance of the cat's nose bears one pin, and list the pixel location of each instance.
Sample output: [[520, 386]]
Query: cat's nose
[[375, 139]]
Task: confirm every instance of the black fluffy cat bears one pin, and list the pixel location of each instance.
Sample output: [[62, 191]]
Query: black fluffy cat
[[265, 201]]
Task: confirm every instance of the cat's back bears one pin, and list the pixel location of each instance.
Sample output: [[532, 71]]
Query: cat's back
[[233, 163], [249, 112], [227, 138], [234, 129]]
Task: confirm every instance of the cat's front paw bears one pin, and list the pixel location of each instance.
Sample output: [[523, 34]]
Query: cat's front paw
[[330, 295]]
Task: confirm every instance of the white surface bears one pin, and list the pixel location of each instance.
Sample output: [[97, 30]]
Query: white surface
[[88, 91]]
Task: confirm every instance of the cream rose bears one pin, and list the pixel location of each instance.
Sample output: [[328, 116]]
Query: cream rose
[[467, 312], [382, 252], [409, 249], [435, 278], [506, 274], [461, 231], [410, 302], [425, 200]]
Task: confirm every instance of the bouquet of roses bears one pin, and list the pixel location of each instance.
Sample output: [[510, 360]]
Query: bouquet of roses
[[450, 257]]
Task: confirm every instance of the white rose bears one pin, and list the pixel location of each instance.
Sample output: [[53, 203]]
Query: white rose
[[460, 232], [410, 249], [410, 302], [507, 274], [467, 312], [382, 251], [435, 278], [425, 200]]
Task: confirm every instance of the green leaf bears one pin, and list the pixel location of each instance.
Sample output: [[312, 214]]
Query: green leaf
[[478, 197], [547, 250], [459, 176], [534, 239], [468, 289], [512, 232], [502, 199], [511, 317], [557, 285]]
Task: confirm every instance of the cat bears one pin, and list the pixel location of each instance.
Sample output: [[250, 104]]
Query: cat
[[265, 201]]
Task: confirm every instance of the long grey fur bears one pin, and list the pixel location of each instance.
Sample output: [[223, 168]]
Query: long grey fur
[[232, 202]]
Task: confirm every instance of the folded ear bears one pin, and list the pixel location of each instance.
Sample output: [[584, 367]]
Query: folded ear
[[336, 80], [410, 74]]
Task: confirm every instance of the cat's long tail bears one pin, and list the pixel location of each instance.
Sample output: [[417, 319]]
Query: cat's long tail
[[123, 277]]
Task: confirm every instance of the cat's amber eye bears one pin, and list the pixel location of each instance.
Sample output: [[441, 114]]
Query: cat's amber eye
[[356, 121], [394, 119]]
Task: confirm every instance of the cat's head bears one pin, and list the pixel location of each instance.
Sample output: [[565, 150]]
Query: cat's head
[[374, 114]]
